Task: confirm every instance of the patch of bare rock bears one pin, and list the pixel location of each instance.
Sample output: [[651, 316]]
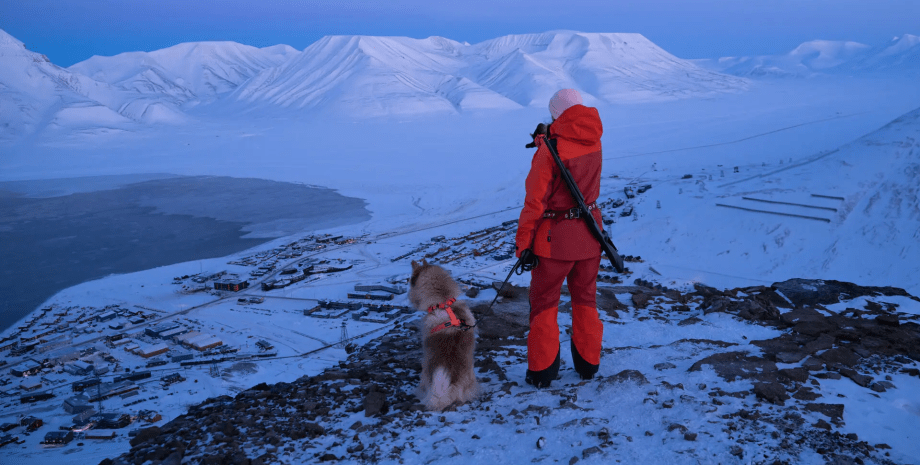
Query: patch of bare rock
[[304, 421]]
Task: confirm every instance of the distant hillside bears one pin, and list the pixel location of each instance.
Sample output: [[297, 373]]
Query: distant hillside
[[901, 54], [196, 71], [368, 76], [35, 93], [357, 76]]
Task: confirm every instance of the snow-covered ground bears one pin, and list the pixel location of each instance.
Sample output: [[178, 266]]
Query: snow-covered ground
[[854, 139]]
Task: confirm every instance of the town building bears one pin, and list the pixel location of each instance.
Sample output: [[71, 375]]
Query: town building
[[35, 397], [150, 351], [207, 343], [79, 368], [77, 404], [106, 316], [112, 420], [161, 328], [26, 368], [30, 384], [172, 333], [79, 386], [93, 434], [58, 437], [231, 285], [106, 390], [182, 358]]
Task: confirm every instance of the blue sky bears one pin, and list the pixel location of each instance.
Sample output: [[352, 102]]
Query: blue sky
[[68, 31]]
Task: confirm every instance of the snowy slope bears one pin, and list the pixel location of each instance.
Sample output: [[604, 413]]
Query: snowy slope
[[901, 54], [804, 60], [608, 67], [189, 71], [359, 75], [35, 93], [851, 214]]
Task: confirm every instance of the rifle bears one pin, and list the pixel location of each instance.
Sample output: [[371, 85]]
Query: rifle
[[601, 235]]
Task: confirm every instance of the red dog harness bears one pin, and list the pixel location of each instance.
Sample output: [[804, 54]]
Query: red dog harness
[[454, 321]]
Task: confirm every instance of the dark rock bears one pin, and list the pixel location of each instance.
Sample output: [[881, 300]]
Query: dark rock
[[732, 365], [689, 321], [801, 315], [145, 435], [877, 387], [633, 376], [888, 320], [678, 427], [806, 394], [857, 378], [821, 424], [690, 436], [374, 403], [823, 342], [795, 374], [737, 451], [591, 451], [706, 291], [173, 459], [816, 291], [328, 458], [813, 364], [832, 411], [790, 357], [813, 328], [716, 303], [771, 392], [640, 300], [828, 375], [472, 292], [840, 355], [312, 429], [664, 366], [756, 309], [675, 295]]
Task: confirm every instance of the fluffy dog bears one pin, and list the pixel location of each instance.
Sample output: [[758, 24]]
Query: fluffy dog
[[448, 338]]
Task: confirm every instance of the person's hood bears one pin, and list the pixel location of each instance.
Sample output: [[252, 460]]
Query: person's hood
[[578, 124]]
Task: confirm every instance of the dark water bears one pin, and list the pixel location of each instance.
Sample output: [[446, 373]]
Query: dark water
[[49, 244]]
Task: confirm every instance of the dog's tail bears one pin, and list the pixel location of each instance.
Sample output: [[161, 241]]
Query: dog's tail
[[439, 395]]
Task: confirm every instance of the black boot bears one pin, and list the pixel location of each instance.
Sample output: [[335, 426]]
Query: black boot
[[543, 378], [585, 370]]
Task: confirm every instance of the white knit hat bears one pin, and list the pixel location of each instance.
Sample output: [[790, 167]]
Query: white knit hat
[[563, 100]]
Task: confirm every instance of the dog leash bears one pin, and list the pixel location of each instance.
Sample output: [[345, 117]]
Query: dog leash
[[521, 268]]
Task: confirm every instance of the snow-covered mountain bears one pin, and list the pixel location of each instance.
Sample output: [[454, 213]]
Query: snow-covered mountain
[[901, 54], [194, 71], [35, 93], [370, 76], [609, 67]]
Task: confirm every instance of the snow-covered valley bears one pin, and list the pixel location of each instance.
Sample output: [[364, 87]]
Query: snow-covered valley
[[753, 181]]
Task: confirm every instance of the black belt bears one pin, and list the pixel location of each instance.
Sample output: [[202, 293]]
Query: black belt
[[569, 214]]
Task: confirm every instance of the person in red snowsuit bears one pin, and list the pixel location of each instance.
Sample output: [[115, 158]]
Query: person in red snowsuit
[[562, 241]]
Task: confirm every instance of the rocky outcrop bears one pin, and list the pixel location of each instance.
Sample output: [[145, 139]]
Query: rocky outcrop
[[280, 422]]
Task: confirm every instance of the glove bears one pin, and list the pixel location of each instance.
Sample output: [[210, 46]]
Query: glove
[[529, 261], [541, 129]]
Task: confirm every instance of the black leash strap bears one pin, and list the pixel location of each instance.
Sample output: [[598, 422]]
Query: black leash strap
[[521, 268]]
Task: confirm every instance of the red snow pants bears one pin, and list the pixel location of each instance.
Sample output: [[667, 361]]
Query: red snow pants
[[587, 329]]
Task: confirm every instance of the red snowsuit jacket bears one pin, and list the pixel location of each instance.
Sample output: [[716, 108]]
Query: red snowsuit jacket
[[578, 140]]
